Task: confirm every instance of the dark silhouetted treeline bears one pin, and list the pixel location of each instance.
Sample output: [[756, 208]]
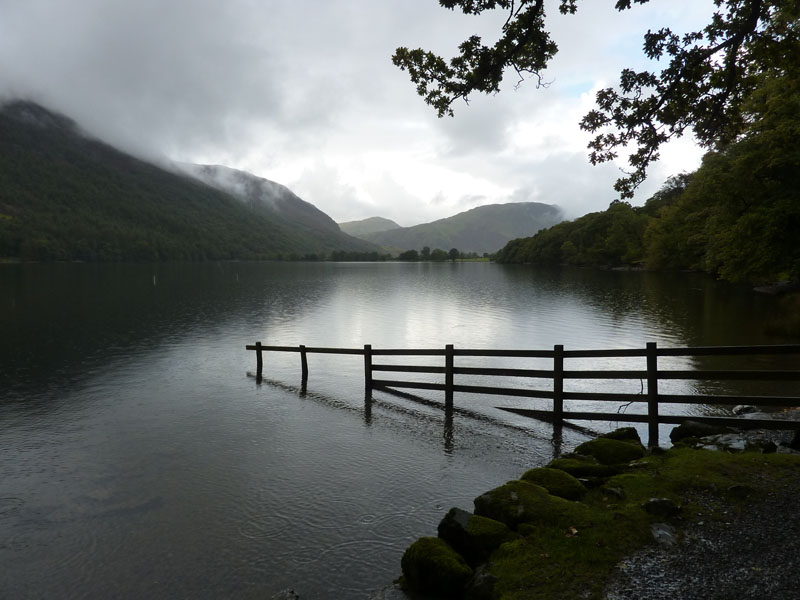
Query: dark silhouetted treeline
[[736, 217]]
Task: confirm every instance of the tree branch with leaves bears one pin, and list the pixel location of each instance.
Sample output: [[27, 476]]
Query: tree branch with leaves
[[706, 80]]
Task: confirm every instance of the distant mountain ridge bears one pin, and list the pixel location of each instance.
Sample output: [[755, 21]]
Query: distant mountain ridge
[[486, 228], [65, 196], [367, 226]]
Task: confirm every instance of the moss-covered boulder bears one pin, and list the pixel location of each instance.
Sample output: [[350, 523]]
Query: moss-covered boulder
[[557, 482], [610, 452], [522, 502], [624, 434], [583, 466], [473, 536], [431, 566]]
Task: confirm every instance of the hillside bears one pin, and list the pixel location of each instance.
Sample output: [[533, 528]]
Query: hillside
[[482, 229], [367, 226], [64, 196]]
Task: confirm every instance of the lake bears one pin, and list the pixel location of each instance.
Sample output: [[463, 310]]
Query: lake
[[140, 460]]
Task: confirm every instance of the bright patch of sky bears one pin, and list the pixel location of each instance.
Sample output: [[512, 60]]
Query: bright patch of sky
[[307, 96]]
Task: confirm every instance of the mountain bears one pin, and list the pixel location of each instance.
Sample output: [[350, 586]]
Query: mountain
[[265, 197], [367, 226], [483, 229], [66, 196]]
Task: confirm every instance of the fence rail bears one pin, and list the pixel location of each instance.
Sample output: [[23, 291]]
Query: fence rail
[[558, 375]]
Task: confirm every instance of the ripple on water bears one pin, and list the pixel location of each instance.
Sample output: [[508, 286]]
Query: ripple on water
[[265, 526], [8, 505]]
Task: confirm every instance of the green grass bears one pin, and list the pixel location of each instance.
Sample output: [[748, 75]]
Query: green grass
[[571, 555]]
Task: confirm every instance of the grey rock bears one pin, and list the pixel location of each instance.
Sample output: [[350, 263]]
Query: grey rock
[[738, 442], [743, 409], [286, 595], [664, 534], [482, 585], [614, 492], [390, 592], [696, 429]]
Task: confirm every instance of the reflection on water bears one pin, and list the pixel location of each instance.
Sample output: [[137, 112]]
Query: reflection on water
[[140, 461]]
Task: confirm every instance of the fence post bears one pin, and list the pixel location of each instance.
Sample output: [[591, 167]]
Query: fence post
[[558, 385], [303, 364], [259, 363], [448, 376], [368, 367], [652, 394]]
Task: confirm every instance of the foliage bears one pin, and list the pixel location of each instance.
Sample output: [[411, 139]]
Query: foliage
[[708, 77], [737, 217], [410, 255], [609, 238]]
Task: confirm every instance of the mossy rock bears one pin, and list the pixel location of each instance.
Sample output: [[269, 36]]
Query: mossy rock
[[431, 566], [583, 466], [610, 452], [624, 434], [473, 536], [557, 482], [522, 502]]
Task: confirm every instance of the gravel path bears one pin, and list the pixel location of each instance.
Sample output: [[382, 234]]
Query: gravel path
[[753, 555]]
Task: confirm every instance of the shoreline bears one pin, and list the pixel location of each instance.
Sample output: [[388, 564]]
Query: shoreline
[[630, 517]]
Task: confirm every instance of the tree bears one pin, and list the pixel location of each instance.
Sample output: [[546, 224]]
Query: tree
[[708, 77], [425, 253], [453, 254], [409, 255]]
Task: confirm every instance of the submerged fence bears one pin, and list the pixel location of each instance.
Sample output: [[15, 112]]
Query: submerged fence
[[558, 374]]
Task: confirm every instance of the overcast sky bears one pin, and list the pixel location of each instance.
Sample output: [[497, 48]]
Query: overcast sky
[[305, 93]]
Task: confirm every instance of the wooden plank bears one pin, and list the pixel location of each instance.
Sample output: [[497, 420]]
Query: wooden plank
[[558, 384], [492, 391], [408, 369], [605, 374], [605, 397], [506, 353], [701, 375], [303, 364], [534, 373], [740, 422], [356, 351], [652, 394], [578, 416], [448, 376], [620, 353], [730, 350], [409, 352], [418, 385], [368, 368]]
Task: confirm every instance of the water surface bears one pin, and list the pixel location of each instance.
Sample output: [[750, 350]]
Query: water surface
[[140, 460]]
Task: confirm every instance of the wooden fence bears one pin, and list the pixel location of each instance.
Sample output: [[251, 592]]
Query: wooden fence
[[558, 374]]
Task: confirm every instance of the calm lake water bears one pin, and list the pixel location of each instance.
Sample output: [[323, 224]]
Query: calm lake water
[[139, 459]]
